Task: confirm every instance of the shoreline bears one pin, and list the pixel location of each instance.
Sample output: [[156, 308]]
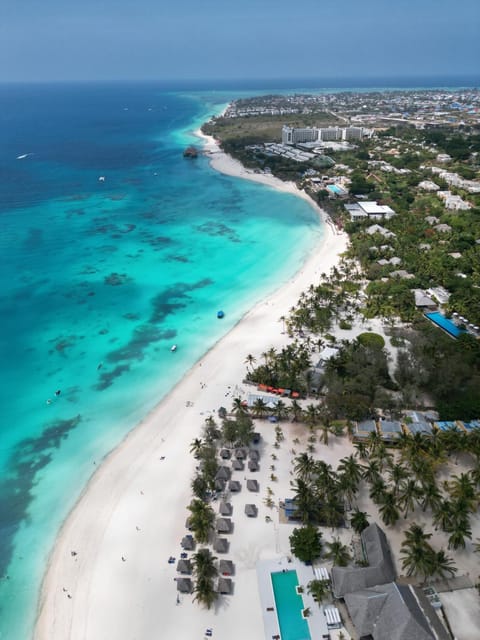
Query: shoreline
[[112, 583]]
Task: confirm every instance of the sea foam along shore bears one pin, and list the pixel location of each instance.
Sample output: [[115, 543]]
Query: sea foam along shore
[[108, 574]]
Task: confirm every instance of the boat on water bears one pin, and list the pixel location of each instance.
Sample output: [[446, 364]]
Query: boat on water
[[173, 347], [220, 314]]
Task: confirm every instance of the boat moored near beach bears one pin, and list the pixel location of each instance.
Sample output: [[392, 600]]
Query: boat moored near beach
[[220, 314]]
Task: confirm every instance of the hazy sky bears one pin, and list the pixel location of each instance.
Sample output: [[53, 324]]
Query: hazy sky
[[212, 39]]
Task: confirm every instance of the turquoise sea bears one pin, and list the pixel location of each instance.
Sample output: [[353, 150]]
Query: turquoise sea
[[100, 277]]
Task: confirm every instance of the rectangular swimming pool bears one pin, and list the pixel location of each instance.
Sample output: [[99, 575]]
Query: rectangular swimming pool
[[289, 605], [446, 324]]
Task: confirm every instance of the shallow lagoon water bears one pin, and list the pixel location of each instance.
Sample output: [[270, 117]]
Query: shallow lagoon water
[[99, 278]]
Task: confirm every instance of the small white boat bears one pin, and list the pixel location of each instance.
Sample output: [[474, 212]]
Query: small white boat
[[173, 347], [101, 179]]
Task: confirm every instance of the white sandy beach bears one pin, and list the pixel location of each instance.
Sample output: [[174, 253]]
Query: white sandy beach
[[135, 505]]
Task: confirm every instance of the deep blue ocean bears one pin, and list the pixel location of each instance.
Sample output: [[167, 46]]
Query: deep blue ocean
[[113, 247], [100, 277]]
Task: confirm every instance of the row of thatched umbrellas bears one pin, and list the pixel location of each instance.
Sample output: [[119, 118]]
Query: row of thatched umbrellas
[[224, 524]]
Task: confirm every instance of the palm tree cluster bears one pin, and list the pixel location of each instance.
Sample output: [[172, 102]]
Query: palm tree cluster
[[335, 297], [420, 559], [284, 369], [402, 484], [205, 572], [320, 493]]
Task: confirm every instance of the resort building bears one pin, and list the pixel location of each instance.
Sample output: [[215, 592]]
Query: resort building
[[378, 607], [428, 185], [380, 569], [369, 209], [363, 430], [294, 135], [454, 203], [376, 228]]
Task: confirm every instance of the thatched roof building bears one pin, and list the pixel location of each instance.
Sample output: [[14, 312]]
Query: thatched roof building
[[380, 569]]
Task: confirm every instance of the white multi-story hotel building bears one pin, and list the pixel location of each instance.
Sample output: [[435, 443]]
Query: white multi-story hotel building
[[293, 135]]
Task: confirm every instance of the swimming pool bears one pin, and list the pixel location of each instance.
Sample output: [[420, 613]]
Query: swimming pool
[[289, 605], [335, 189], [446, 324]]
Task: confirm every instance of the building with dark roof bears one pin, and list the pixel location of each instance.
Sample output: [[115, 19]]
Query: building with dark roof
[[380, 569], [394, 612]]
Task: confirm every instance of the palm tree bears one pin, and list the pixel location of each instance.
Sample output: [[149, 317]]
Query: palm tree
[[196, 446], [397, 473], [319, 590], [351, 468], [409, 493], [443, 565], [338, 553], [306, 504], [416, 536], [238, 406], [201, 520], [418, 560], [377, 490], [371, 472], [281, 410], [304, 466], [463, 487], [431, 496], [443, 515], [459, 530], [250, 361], [310, 416], [260, 409], [331, 511], [388, 509], [362, 450], [205, 571], [296, 411], [359, 521]]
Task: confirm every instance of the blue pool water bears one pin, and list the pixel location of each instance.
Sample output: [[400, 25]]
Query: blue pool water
[[289, 606], [446, 324], [334, 189]]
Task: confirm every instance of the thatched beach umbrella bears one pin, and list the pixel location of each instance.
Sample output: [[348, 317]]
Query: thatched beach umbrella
[[224, 525], [253, 465], [238, 465], [184, 585], [221, 545], [226, 568], [188, 543], [252, 485], [251, 510], [225, 454], [225, 508], [223, 473], [253, 454], [220, 484], [184, 566], [234, 486], [225, 586], [240, 453]]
